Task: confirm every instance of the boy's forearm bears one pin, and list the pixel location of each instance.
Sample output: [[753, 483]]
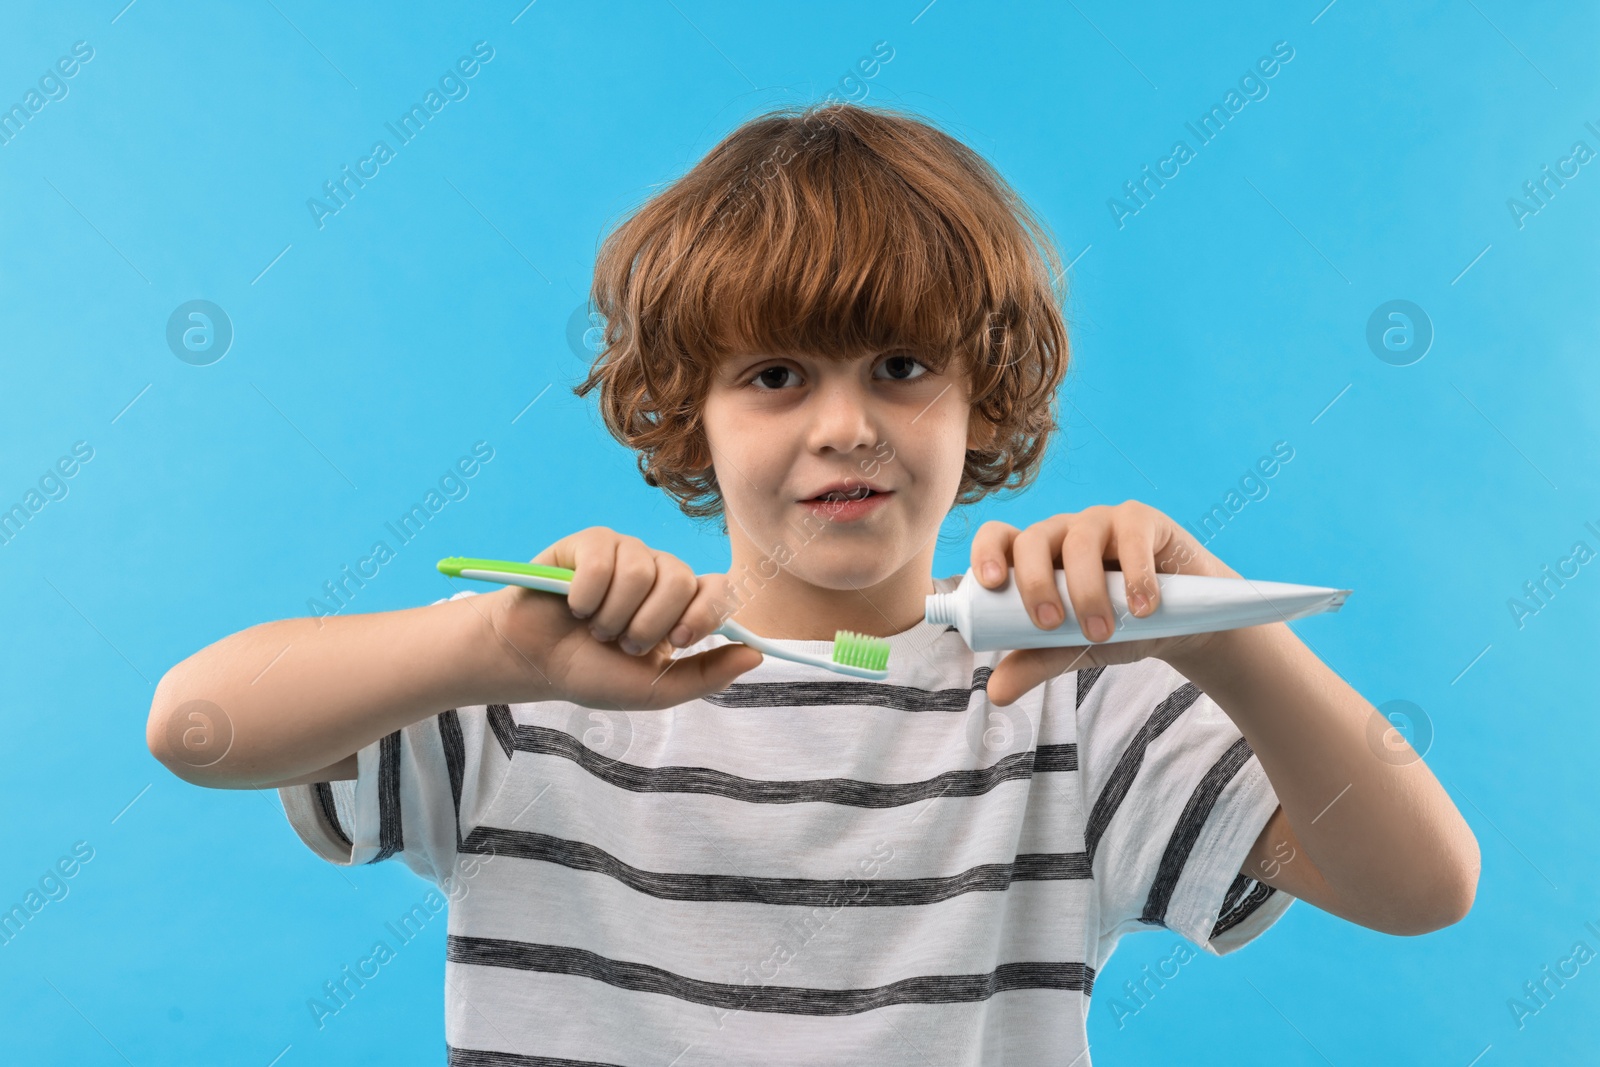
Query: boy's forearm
[[286, 698], [1382, 832]]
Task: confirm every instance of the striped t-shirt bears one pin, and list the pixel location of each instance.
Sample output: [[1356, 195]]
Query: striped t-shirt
[[810, 869]]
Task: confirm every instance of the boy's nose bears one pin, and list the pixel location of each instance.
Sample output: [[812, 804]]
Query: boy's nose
[[842, 419]]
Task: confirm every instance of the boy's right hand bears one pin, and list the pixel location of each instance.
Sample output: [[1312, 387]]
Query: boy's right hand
[[624, 595]]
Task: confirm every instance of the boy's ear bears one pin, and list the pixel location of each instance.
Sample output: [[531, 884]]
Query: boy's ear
[[699, 458], [980, 433]]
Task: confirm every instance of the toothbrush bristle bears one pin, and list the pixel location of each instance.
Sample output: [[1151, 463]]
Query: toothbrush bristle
[[851, 649]]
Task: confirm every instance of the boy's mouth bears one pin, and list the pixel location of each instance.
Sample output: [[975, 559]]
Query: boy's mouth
[[839, 493], [847, 504]]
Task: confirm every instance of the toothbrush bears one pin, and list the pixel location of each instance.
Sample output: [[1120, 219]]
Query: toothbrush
[[855, 655]]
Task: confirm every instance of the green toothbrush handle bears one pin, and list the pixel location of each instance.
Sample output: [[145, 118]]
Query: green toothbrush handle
[[508, 572]]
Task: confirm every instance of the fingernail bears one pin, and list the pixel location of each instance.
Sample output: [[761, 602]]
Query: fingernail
[[680, 636], [991, 572], [627, 645], [599, 634], [1138, 603], [1049, 615], [579, 614], [1098, 628]]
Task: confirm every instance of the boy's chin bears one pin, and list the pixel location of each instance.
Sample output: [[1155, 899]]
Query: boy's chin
[[842, 568]]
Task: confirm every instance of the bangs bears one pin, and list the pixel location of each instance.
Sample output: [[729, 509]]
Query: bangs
[[800, 236], [835, 256]]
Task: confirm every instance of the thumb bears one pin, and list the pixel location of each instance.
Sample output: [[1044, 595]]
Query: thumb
[[1021, 670], [691, 677]]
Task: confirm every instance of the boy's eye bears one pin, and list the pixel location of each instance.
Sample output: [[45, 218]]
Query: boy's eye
[[772, 377], [901, 367]]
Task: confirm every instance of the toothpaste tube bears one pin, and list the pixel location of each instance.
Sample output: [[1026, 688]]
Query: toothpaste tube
[[992, 619]]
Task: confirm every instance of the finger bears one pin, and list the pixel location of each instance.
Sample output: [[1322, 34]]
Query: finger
[[1180, 553], [591, 556], [692, 677], [1083, 555], [1132, 538], [991, 552], [1177, 556], [674, 588], [1033, 559], [1025, 668], [1022, 670], [631, 582]]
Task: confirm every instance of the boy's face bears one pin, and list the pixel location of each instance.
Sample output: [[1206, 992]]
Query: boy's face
[[783, 429]]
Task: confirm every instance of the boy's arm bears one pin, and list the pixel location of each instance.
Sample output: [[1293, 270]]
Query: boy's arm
[[348, 768], [1374, 837], [293, 701], [1368, 836]]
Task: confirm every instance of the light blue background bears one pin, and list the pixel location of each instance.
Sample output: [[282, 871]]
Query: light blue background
[[1229, 314]]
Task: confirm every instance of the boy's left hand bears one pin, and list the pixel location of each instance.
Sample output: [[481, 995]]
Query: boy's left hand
[[1131, 537]]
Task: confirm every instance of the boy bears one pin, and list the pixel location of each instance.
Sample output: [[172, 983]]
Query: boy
[[662, 848]]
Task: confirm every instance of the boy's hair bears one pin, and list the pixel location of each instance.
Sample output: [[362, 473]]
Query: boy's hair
[[832, 230]]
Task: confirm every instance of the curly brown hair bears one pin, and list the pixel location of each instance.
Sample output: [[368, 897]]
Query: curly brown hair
[[833, 230]]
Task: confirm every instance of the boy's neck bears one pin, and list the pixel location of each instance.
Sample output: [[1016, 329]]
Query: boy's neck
[[787, 607]]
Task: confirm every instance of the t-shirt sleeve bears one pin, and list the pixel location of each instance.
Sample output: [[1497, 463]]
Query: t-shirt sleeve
[[1175, 798], [417, 791]]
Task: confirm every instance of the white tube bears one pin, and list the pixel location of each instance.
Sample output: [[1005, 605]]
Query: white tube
[[991, 619]]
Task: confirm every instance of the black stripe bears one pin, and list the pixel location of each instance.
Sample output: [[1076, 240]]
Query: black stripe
[[390, 838], [1195, 813], [1051, 867], [1247, 906], [503, 725], [1086, 680], [455, 760], [1235, 887], [789, 1000], [1122, 776], [747, 889], [473, 1057], [545, 741], [1056, 758], [323, 794], [844, 692]]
